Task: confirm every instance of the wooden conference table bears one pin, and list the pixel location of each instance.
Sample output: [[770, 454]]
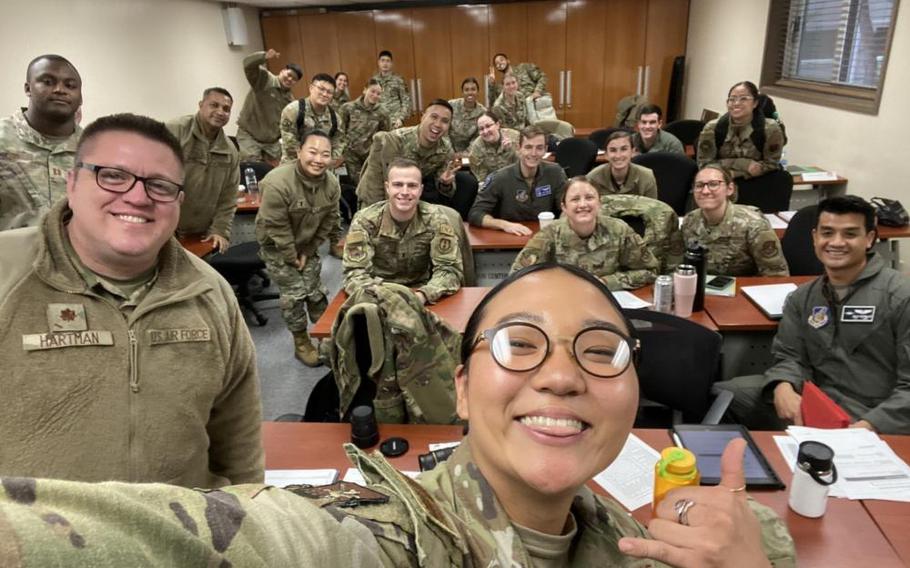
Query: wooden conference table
[[852, 533], [246, 205]]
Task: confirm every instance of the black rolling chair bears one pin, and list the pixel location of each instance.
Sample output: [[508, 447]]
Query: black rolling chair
[[599, 137], [576, 156], [679, 364], [239, 265], [674, 174], [797, 244], [770, 192], [686, 130]]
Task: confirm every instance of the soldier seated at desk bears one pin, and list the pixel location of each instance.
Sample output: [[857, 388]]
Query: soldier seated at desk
[[522, 191], [619, 175], [738, 238]]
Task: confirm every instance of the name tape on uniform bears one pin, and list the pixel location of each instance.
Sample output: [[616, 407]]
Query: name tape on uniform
[[163, 336], [39, 341]]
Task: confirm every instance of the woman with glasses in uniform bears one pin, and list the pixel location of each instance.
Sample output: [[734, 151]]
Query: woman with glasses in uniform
[[743, 140], [738, 239]]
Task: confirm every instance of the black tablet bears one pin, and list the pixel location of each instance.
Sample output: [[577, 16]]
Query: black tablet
[[707, 442]]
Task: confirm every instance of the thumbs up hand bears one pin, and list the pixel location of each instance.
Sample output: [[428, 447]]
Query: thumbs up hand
[[717, 529]]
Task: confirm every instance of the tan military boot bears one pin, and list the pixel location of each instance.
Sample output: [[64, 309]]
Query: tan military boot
[[305, 351]]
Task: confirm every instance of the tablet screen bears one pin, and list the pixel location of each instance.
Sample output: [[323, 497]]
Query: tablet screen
[[708, 445]]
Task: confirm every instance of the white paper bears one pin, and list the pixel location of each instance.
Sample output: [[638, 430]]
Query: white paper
[[867, 467], [630, 301], [442, 445], [285, 477], [353, 475], [630, 478], [786, 215], [810, 177], [770, 297], [776, 221]]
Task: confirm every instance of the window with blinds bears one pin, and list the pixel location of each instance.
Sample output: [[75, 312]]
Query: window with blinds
[[829, 52]]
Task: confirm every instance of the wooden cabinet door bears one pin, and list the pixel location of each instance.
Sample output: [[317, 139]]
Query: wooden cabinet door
[[624, 53], [470, 46], [281, 33], [357, 48], [508, 25], [432, 54], [547, 47], [319, 41], [393, 33], [584, 79], [668, 23]]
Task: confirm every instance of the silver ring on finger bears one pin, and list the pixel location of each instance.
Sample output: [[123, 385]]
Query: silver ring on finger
[[682, 510]]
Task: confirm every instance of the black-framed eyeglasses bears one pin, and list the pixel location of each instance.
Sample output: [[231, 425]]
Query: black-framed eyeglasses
[[600, 351], [711, 185], [121, 181]]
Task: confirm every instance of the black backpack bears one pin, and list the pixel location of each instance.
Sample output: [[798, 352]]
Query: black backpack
[[301, 115], [765, 109]]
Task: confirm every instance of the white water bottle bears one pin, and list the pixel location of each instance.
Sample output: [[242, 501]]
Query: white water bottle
[[813, 476]]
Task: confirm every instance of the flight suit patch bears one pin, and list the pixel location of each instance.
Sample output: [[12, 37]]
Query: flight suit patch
[[66, 317], [183, 335], [857, 314], [522, 196], [542, 191], [819, 317], [42, 341]]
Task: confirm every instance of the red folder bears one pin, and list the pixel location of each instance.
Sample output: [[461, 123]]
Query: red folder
[[819, 411]]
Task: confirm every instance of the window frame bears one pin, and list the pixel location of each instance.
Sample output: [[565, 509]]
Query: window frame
[[864, 100]]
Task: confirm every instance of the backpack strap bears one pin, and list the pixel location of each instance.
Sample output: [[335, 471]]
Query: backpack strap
[[301, 116], [757, 136]]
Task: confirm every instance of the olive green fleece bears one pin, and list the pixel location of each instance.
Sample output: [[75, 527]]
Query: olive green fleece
[[180, 405]]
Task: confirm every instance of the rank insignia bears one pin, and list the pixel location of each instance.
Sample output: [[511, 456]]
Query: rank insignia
[[522, 196], [340, 494], [66, 317], [819, 317]]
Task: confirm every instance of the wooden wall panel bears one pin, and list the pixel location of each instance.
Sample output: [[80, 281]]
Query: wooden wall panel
[[356, 48], [668, 24], [470, 46], [432, 53], [281, 33], [319, 39], [624, 53], [393, 33], [508, 29], [547, 44], [585, 22]]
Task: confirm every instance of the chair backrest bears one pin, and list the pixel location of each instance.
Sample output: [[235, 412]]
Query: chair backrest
[[674, 174], [576, 156], [680, 360], [559, 128], [599, 137], [261, 168], [467, 255], [686, 130], [797, 244], [770, 192]]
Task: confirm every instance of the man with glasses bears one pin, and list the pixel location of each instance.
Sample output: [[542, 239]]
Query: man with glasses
[[311, 113], [37, 144], [212, 169], [124, 357]]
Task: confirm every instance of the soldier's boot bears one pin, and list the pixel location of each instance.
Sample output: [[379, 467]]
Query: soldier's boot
[[336, 249], [304, 350]]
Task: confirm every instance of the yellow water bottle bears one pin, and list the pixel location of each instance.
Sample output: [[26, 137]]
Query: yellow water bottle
[[675, 468]]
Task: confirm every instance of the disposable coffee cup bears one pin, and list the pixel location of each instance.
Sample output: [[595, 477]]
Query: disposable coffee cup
[[545, 218]]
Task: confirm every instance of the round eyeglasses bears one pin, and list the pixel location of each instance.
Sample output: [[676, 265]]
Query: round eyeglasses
[[121, 181], [600, 351]]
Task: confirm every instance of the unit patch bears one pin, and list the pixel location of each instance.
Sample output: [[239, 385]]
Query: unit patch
[[819, 317]]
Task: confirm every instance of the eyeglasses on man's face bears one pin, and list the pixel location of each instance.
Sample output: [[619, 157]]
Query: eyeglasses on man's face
[[117, 180], [519, 346]]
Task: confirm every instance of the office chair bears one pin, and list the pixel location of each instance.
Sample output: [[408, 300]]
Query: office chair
[[576, 156], [686, 130], [238, 265], [599, 137], [680, 361], [674, 174], [797, 244], [770, 192]]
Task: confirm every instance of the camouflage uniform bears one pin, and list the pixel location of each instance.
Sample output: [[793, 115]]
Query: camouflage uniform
[[665, 142], [742, 244], [508, 196], [449, 516], [413, 356], [613, 252], [395, 99], [738, 149], [425, 254], [114, 399], [463, 129], [514, 114], [402, 143], [662, 235], [530, 79], [339, 99], [290, 136], [358, 124], [487, 158], [33, 170], [639, 181], [257, 125], [212, 174], [297, 214]]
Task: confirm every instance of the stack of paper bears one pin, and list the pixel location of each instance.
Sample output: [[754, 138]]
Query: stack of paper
[[769, 298], [630, 478], [285, 477], [867, 467], [630, 301]]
